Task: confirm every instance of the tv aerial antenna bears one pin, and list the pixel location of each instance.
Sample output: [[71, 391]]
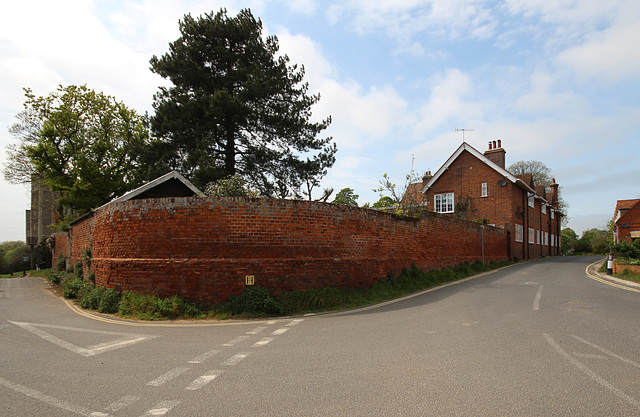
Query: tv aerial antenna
[[463, 130]]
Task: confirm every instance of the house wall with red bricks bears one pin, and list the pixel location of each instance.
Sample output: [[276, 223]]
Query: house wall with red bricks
[[505, 205], [202, 248], [629, 222]]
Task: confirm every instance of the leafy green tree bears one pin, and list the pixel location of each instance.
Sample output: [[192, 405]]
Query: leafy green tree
[[347, 197], [85, 145], [541, 175], [384, 202], [569, 240], [235, 186], [236, 107]]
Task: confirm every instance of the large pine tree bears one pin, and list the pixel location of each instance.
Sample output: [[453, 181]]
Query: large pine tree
[[236, 108]]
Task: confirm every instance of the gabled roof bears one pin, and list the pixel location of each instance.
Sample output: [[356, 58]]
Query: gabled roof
[[466, 147], [625, 205], [181, 187]]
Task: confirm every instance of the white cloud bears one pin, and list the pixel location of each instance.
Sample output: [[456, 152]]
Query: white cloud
[[448, 102], [404, 19], [610, 54]]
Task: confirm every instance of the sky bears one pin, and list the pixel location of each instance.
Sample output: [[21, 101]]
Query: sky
[[557, 81]]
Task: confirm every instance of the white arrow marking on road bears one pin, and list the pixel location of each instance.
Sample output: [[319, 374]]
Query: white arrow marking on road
[[126, 339]]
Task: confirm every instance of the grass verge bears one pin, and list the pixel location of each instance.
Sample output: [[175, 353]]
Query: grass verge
[[257, 302]]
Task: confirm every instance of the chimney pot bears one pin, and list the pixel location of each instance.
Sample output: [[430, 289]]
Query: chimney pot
[[490, 145], [499, 143], [494, 145]]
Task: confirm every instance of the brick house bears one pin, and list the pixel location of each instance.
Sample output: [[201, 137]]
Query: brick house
[[477, 187], [627, 219]]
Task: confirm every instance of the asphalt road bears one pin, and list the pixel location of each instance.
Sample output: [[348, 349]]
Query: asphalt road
[[534, 339]]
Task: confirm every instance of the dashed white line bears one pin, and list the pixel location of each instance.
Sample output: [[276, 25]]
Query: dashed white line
[[536, 301], [263, 342], [162, 408], [257, 330], [294, 322], [204, 356], [236, 341], [203, 380], [235, 359], [280, 332], [122, 403], [166, 377]]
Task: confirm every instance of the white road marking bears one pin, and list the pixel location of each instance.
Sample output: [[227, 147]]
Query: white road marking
[[257, 330], [591, 374], [588, 355], [294, 322], [236, 341], [126, 339], [603, 350], [122, 403], [280, 331], [235, 359], [536, 301], [203, 380], [52, 401], [168, 376], [263, 342], [204, 356], [162, 408]]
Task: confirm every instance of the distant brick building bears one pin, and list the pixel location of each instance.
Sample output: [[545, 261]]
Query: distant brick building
[[477, 187], [627, 219], [43, 212]]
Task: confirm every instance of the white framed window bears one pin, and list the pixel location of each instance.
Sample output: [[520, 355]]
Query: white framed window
[[538, 237], [532, 235], [546, 238], [483, 190], [443, 203], [531, 201], [552, 213], [544, 208], [519, 233]]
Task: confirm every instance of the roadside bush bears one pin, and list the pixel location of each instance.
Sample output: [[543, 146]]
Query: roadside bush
[[77, 269], [109, 301], [91, 301], [54, 276], [72, 287], [255, 301], [142, 306], [61, 263]]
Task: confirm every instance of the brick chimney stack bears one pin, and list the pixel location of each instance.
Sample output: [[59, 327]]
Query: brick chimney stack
[[495, 153], [554, 192]]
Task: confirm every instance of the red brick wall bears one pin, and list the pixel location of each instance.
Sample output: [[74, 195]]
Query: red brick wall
[[202, 248]]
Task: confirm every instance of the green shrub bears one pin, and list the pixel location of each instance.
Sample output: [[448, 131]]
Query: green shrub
[[142, 306], [255, 301], [109, 301], [77, 269], [92, 277], [61, 263], [54, 276], [91, 301], [71, 287]]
